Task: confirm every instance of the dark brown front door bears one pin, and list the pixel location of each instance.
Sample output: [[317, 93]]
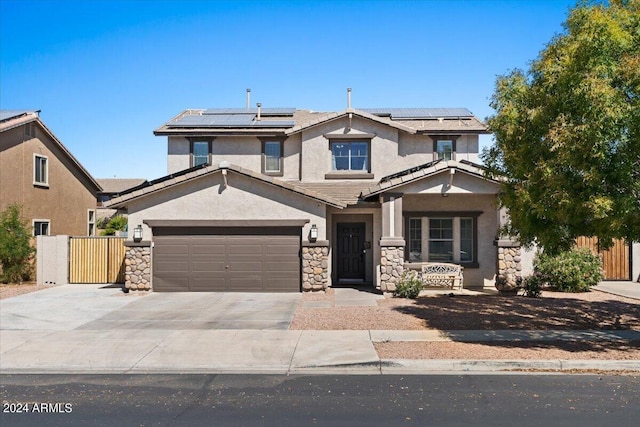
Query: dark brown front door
[[351, 259]]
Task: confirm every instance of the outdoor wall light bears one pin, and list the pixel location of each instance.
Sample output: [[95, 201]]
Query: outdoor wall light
[[313, 234], [137, 233]]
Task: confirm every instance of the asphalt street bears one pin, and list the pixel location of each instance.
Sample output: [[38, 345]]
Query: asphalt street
[[280, 400]]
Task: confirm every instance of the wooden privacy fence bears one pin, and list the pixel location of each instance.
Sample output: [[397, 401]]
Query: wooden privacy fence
[[96, 259], [615, 261]]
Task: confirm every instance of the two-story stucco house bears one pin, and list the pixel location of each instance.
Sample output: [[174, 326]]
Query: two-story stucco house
[[57, 194], [282, 199]]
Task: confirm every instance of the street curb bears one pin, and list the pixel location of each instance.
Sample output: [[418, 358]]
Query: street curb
[[383, 367]]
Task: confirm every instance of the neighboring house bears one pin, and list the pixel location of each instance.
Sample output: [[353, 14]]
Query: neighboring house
[[280, 199], [112, 187], [57, 194]]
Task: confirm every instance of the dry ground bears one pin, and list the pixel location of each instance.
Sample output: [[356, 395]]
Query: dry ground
[[12, 290], [554, 311]]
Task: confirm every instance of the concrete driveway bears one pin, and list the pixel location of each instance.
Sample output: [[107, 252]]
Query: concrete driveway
[[93, 329], [96, 307]]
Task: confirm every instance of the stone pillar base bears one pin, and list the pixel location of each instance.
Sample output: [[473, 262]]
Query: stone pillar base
[[391, 263], [509, 268], [315, 266], [138, 267]]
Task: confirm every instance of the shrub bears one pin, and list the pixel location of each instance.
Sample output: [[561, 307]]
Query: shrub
[[15, 245], [532, 285], [409, 285], [574, 271]]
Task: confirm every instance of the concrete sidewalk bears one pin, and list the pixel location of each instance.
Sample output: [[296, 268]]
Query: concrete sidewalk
[[90, 329], [268, 351], [623, 289]]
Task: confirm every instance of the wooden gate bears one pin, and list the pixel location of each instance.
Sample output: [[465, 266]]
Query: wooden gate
[[96, 259], [615, 261]]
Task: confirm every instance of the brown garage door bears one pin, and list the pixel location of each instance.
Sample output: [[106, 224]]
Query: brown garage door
[[242, 259]]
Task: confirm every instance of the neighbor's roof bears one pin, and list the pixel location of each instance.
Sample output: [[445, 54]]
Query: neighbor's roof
[[194, 173], [10, 119], [119, 185], [419, 172], [288, 121], [11, 114]]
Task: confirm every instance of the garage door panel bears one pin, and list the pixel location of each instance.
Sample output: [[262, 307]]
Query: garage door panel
[[165, 266], [238, 259], [208, 284], [171, 284], [207, 267], [245, 249], [172, 249]]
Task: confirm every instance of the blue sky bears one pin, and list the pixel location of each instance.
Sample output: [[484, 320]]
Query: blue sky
[[107, 73]]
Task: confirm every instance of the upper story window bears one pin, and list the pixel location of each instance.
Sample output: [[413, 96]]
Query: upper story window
[[272, 157], [350, 156], [41, 227], [444, 147], [40, 170], [91, 222], [30, 130], [200, 152]]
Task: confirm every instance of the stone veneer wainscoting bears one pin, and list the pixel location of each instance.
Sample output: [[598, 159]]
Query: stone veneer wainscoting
[[137, 263], [315, 266]]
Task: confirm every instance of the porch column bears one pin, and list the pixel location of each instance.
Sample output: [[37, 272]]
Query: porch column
[[392, 243], [137, 261]]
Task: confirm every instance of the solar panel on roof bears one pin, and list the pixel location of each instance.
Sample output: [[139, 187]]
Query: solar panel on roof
[[228, 120], [267, 111], [213, 120], [418, 113]]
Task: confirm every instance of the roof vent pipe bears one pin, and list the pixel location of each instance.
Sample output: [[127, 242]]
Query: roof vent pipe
[[248, 98], [259, 105], [348, 98]]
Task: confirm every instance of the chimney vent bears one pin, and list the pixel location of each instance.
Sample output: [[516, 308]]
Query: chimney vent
[[348, 98], [259, 105], [248, 98]]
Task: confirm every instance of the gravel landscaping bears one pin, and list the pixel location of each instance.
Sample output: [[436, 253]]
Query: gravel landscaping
[[554, 311]]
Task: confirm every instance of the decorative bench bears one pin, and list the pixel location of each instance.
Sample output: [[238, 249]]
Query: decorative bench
[[442, 274]]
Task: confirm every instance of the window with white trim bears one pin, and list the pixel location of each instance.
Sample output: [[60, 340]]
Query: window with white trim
[[444, 149], [415, 239], [440, 240], [350, 156], [40, 169], [200, 152], [442, 237], [91, 223], [41, 227]]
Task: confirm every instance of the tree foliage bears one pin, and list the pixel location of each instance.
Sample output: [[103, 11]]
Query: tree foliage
[[567, 132], [15, 245], [117, 223]]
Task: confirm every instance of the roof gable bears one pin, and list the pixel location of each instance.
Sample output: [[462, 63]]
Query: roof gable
[[427, 170], [15, 118]]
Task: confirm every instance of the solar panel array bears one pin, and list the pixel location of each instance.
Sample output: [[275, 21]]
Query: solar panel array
[[236, 117], [418, 113], [267, 111]]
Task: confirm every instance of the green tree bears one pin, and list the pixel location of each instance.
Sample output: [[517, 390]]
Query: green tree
[[117, 223], [15, 245], [567, 132]]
